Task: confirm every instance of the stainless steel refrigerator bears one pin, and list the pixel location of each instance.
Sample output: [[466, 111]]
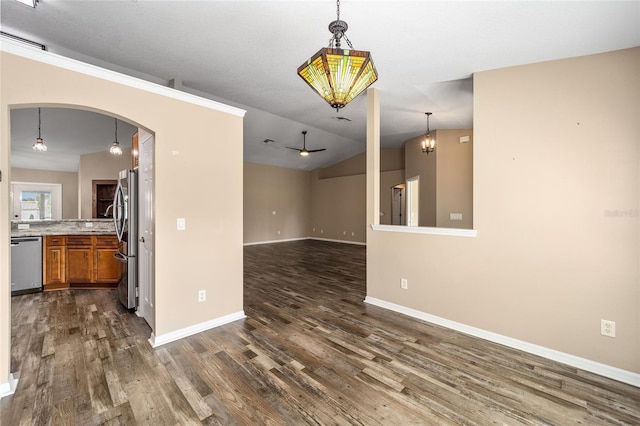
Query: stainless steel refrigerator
[[125, 218]]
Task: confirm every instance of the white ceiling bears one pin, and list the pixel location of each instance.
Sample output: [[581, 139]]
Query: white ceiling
[[246, 53]]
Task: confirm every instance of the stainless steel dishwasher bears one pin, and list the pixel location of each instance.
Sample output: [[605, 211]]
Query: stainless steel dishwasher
[[26, 265]]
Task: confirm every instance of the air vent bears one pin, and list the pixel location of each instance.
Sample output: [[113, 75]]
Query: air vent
[[25, 41]]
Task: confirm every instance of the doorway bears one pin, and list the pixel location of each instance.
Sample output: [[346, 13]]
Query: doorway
[[413, 201], [398, 208], [90, 188]]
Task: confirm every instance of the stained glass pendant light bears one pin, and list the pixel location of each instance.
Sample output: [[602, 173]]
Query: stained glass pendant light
[[339, 75], [39, 145], [115, 147]]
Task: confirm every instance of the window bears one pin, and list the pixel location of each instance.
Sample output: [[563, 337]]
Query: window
[[36, 201]]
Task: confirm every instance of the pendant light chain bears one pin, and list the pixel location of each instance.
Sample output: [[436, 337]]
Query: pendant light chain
[[39, 134], [116, 130]]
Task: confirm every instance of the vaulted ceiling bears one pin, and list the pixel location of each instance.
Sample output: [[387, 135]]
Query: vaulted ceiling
[[245, 53]]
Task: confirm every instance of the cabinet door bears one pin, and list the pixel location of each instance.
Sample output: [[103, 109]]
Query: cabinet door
[[55, 265], [108, 269], [79, 264]]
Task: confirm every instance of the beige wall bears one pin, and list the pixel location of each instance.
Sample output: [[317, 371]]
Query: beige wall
[[307, 205], [68, 180], [556, 199], [446, 178], [425, 167], [338, 195], [208, 254], [338, 207], [98, 166], [387, 181], [268, 189], [454, 184], [390, 159]]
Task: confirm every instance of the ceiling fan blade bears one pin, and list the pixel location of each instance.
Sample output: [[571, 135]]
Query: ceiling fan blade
[[295, 149], [317, 150]]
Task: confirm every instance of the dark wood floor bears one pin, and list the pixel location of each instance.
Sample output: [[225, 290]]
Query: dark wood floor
[[309, 352]]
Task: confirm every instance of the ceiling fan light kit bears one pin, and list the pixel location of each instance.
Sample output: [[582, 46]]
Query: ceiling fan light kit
[[304, 152], [339, 75]]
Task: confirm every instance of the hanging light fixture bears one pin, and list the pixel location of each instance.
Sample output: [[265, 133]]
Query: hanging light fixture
[[115, 147], [39, 145], [428, 143], [339, 75]]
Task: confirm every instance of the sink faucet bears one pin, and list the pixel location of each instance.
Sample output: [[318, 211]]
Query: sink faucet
[[106, 212]]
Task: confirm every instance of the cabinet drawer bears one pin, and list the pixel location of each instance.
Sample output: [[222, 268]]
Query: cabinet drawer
[[79, 240], [55, 240], [107, 241]]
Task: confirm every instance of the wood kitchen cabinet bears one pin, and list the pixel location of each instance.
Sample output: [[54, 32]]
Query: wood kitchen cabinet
[[54, 262], [108, 269], [81, 261], [80, 254]]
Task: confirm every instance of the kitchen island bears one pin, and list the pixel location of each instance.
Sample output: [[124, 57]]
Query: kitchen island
[[76, 253]]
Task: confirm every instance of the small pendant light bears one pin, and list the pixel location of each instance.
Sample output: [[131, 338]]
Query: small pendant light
[[39, 143], [115, 147]]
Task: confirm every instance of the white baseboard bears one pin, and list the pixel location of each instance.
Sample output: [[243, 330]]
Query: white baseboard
[[305, 238], [275, 241], [339, 241], [163, 339], [572, 360], [8, 388]]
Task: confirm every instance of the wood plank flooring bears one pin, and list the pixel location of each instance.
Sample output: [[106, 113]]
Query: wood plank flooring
[[309, 352]]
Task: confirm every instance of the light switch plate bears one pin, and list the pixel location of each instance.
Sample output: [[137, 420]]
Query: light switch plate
[[181, 224]]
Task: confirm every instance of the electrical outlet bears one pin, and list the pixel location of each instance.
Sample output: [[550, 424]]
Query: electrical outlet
[[202, 295], [608, 328], [181, 224], [404, 284]]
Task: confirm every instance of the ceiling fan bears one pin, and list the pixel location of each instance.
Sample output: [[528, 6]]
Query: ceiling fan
[[304, 151]]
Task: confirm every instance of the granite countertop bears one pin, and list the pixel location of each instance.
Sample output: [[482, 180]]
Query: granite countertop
[[32, 228]]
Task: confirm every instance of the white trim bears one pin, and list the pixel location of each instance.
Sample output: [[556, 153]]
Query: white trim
[[8, 388], [16, 48], [453, 232], [614, 373], [339, 241], [304, 238], [275, 241], [163, 339]]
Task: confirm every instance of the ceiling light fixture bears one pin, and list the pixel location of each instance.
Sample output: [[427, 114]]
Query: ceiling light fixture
[[304, 152], [39, 143], [339, 75], [115, 147], [428, 143]]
